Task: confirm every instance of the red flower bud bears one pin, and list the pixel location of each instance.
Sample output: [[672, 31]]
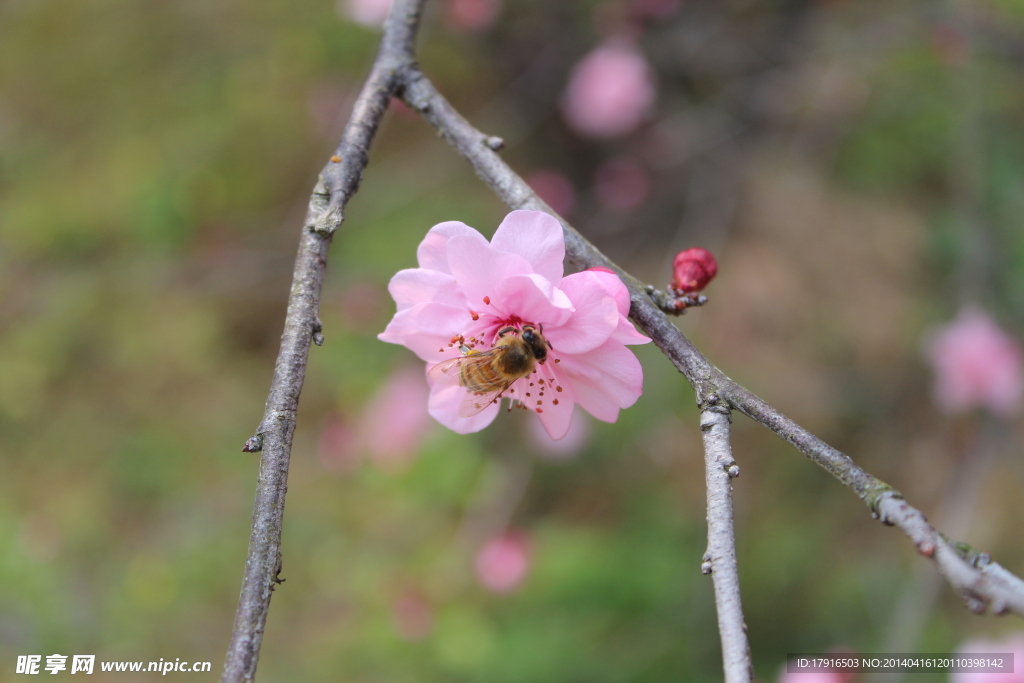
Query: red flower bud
[[692, 270]]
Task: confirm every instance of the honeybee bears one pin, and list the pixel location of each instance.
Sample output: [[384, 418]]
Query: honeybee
[[487, 374]]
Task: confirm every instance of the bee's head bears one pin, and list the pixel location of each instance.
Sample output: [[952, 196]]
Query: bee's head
[[537, 343]]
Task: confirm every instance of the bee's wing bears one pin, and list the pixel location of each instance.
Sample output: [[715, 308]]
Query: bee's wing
[[475, 403], [450, 371]]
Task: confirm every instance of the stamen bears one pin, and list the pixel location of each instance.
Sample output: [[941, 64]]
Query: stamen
[[555, 402], [558, 388], [474, 315], [540, 410], [487, 300], [558, 360]]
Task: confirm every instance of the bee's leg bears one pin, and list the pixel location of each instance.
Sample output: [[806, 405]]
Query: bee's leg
[[501, 332]]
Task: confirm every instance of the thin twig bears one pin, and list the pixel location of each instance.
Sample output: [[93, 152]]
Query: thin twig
[[338, 182], [720, 558], [979, 581]]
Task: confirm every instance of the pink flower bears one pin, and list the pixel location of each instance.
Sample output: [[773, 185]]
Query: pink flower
[[471, 15], [467, 290], [1012, 645], [413, 616], [365, 12], [554, 188], [389, 429], [395, 421], [976, 364], [503, 562], [610, 91], [337, 447], [812, 677]]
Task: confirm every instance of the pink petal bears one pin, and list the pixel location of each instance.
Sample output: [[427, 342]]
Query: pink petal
[[479, 269], [537, 237], [610, 91], [976, 364], [419, 285], [568, 446], [603, 380], [426, 328], [445, 400], [594, 399], [432, 253], [368, 12], [531, 298], [394, 422], [595, 319], [625, 333], [554, 188], [611, 284], [556, 419], [503, 562]]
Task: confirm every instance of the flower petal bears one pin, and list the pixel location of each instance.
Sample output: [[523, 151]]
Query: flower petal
[[537, 237], [432, 253], [420, 285], [611, 284], [595, 400], [479, 269], [531, 298], [426, 328], [608, 377], [594, 319], [555, 418], [445, 400], [624, 333]]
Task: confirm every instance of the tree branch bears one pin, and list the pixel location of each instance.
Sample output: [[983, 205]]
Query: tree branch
[[338, 181], [981, 582], [720, 558]]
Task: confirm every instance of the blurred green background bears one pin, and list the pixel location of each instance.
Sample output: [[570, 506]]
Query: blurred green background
[[857, 167]]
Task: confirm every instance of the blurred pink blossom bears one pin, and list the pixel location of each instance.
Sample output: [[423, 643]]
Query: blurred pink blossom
[[337, 448], [471, 15], [568, 446], [976, 364], [413, 616], [365, 12], [1013, 644], [554, 188], [812, 677], [610, 91], [389, 429], [503, 562], [395, 421], [467, 290], [621, 184]]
